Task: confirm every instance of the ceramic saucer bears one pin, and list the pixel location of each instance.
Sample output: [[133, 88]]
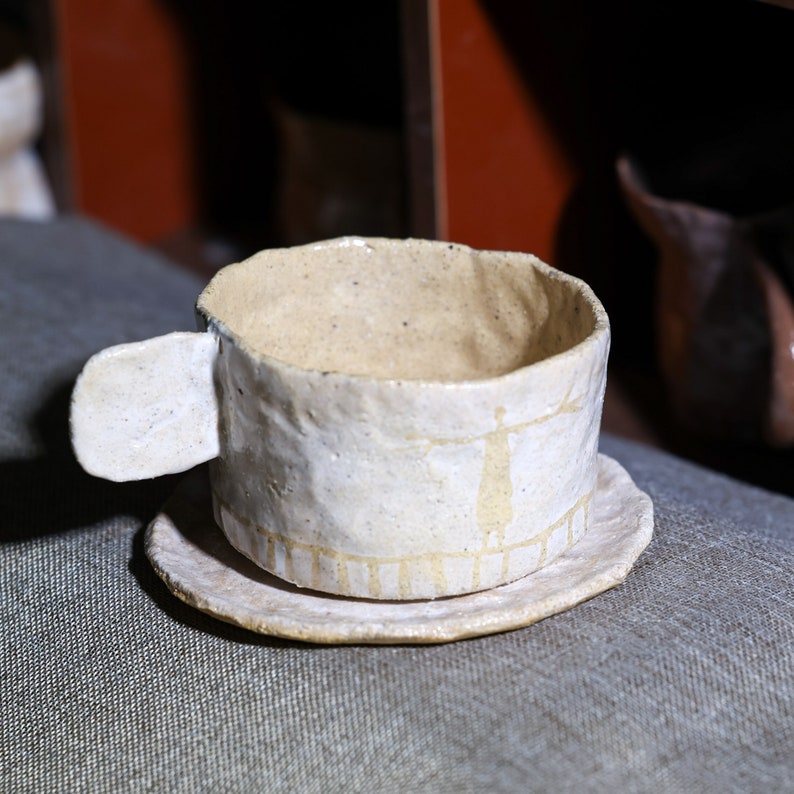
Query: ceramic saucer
[[198, 565]]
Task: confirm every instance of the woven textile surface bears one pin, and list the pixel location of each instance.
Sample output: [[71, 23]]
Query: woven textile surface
[[680, 679]]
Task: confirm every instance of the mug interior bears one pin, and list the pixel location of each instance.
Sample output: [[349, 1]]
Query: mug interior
[[401, 309]]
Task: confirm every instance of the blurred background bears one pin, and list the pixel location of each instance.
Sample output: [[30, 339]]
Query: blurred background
[[646, 147]]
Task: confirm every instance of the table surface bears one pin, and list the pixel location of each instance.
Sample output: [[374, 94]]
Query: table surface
[[680, 679]]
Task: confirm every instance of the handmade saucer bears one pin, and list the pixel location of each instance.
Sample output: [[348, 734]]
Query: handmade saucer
[[199, 566]]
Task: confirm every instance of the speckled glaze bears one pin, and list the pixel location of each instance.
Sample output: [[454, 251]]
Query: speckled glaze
[[198, 566], [404, 419], [147, 408], [389, 419]]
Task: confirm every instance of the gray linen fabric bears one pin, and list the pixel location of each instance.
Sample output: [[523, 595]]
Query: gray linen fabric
[[678, 680]]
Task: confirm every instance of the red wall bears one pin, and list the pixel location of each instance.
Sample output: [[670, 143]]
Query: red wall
[[128, 114]]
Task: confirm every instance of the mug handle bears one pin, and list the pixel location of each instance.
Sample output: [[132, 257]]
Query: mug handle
[[148, 408]]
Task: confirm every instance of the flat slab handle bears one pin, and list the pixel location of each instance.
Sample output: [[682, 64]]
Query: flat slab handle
[[148, 408]]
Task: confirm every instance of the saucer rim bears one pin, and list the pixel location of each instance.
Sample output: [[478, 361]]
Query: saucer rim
[[338, 620]]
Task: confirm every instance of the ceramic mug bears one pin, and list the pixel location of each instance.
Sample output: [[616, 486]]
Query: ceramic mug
[[388, 419]]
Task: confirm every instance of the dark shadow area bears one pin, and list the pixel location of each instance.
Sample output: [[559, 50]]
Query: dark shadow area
[[14, 32], [50, 493], [750, 462], [232, 128], [189, 616], [288, 99]]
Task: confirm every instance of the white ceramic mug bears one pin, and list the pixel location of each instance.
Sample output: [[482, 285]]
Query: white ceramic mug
[[392, 419]]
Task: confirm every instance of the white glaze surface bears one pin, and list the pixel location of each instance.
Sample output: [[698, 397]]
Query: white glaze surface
[[384, 483], [198, 565], [146, 408]]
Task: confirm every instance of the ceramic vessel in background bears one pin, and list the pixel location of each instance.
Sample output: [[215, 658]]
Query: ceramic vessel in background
[[725, 317], [24, 191], [389, 419]]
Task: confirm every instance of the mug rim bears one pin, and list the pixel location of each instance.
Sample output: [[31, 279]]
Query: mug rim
[[601, 326]]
